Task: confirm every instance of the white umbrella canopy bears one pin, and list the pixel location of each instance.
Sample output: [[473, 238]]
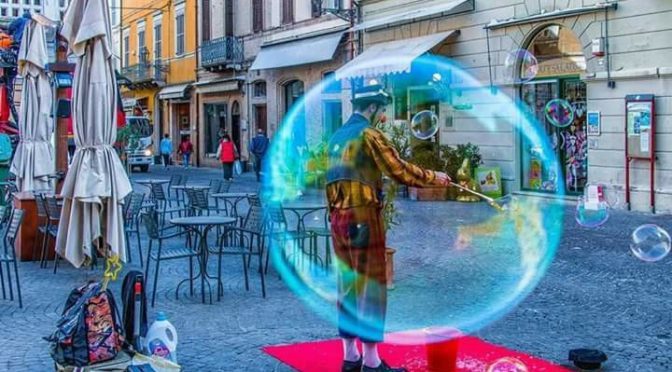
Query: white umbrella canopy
[[96, 183], [34, 157]]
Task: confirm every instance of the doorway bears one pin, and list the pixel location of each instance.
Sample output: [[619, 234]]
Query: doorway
[[260, 117], [560, 62], [215, 124], [235, 123]]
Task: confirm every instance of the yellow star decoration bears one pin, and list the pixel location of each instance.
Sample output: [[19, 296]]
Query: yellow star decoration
[[112, 267]]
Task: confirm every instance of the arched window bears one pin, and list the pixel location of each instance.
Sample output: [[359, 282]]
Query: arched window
[[560, 62], [558, 52], [293, 92]]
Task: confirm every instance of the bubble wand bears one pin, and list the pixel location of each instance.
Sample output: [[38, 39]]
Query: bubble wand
[[491, 202]]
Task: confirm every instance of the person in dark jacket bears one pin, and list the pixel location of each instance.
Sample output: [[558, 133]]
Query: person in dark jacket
[[258, 149], [227, 153]]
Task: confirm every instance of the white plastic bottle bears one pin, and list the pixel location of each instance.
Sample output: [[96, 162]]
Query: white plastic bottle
[[161, 338]]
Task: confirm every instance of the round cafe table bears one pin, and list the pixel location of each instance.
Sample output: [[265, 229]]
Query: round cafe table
[[302, 210], [232, 199], [201, 226]]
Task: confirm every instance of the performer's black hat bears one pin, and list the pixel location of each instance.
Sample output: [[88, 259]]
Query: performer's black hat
[[371, 94]]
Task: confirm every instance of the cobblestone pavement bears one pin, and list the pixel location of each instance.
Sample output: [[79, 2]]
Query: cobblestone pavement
[[595, 294]]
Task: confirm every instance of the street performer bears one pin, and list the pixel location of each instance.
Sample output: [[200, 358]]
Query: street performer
[[359, 154]]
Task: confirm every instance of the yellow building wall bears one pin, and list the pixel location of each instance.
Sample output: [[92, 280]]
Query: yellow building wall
[[180, 68]]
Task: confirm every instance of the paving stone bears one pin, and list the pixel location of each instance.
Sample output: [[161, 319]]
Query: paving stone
[[595, 295]]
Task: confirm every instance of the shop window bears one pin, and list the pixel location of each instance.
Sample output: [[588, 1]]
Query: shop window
[[215, 125], [561, 61]]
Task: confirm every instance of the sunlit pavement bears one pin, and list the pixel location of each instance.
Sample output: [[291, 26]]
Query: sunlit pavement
[[596, 294]]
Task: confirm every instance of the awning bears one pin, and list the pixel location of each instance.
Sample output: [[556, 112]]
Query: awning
[[216, 86], [392, 57], [298, 52], [434, 9], [495, 24], [174, 91]]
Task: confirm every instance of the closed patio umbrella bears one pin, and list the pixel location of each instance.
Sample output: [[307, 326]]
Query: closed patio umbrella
[[96, 182], [34, 157]]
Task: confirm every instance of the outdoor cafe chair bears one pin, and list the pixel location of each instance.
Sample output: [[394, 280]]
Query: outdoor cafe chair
[[175, 180], [163, 205], [163, 253], [131, 223], [246, 241], [53, 218], [279, 231], [8, 255], [41, 224], [324, 232]]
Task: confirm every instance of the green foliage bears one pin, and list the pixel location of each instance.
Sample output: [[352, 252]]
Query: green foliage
[[317, 163], [399, 138], [444, 158]]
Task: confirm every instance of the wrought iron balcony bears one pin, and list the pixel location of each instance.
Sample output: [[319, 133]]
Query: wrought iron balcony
[[223, 52], [145, 74]]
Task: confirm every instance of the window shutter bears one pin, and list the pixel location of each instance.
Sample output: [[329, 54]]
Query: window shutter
[[258, 15], [206, 20], [287, 11]]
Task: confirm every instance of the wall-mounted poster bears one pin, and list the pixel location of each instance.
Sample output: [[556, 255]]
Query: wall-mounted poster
[[594, 123], [489, 181]]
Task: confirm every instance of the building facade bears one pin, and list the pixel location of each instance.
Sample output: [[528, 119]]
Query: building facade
[[159, 58], [247, 77], [16, 8], [589, 53]]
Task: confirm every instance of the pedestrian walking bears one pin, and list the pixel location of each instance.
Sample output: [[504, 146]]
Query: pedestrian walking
[[258, 149], [185, 149], [166, 149], [359, 156], [227, 154]]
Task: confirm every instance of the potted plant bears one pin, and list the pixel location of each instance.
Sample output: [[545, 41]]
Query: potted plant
[[317, 163], [398, 136], [428, 156], [456, 159]]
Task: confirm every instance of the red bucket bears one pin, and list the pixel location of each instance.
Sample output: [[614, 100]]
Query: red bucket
[[441, 347]]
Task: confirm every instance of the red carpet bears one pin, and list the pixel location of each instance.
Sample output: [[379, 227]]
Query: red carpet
[[474, 355]]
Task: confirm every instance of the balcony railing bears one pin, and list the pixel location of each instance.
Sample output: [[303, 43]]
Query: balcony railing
[[145, 73], [223, 51]]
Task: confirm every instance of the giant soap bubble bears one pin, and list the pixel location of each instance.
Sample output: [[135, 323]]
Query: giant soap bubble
[[650, 243], [424, 125], [457, 265]]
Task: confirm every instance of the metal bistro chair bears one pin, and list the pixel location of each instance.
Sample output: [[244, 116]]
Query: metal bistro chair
[[280, 232], [151, 222], [53, 218], [163, 205], [132, 224], [175, 180], [324, 232], [180, 195], [8, 255], [41, 224], [246, 241]]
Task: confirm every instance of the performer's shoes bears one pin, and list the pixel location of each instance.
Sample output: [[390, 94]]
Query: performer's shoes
[[383, 367], [349, 366]]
